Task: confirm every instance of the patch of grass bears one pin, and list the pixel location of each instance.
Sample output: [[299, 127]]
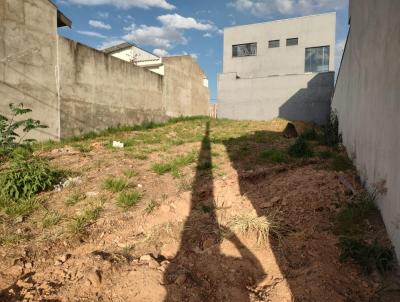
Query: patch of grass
[[129, 173], [341, 163], [140, 156], [20, 208], [274, 155], [174, 164], [151, 206], [74, 198], [326, 154], [310, 134], [368, 256], [300, 149], [11, 239], [205, 165], [184, 185], [83, 148], [115, 185], [84, 219], [351, 220], [129, 199], [262, 226], [52, 218]]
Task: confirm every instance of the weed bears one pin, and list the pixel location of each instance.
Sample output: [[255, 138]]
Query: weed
[[205, 165], [300, 149], [84, 219], [24, 178], [140, 156], [326, 154], [310, 134], [11, 239], [20, 208], [129, 199], [52, 218], [274, 155], [74, 198], [82, 148], [185, 185], [263, 226], [330, 132], [351, 220], [151, 206], [129, 173], [174, 164], [368, 256], [115, 185], [341, 163]]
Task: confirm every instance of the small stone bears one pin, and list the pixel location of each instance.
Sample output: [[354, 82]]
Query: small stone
[[23, 284], [153, 263], [95, 278], [28, 265], [19, 219], [140, 186], [266, 205], [91, 194], [275, 199], [146, 258]]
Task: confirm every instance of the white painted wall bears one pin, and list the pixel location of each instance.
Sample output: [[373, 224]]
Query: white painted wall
[[367, 98]]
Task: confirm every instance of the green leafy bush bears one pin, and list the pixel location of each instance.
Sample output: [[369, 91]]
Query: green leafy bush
[[9, 138], [330, 132], [300, 148], [368, 256], [24, 178]]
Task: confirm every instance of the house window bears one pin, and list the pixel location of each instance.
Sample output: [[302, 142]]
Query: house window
[[292, 42], [273, 43], [317, 59], [244, 50]]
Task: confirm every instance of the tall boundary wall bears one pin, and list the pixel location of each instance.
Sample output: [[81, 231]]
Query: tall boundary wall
[[367, 99], [75, 89]]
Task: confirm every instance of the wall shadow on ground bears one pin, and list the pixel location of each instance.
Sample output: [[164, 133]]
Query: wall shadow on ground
[[311, 104], [200, 272]]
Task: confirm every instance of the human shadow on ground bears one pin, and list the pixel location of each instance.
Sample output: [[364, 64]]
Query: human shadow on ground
[[200, 272]]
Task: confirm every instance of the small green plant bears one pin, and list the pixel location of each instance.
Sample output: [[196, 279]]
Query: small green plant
[[52, 218], [184, 185], [330, 132], [326, 154], [274, 155], [151, 206], [115, 185], [129, 199], [9, 138], [24, 178], [74, 198], [341, 163], [300, 149], [129, 173], [83, 148], [368, 256], [175, 164], [84, 219], [351, 220], [20, 208]]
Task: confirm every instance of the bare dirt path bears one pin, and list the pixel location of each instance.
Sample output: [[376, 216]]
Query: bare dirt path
[[198, 231]]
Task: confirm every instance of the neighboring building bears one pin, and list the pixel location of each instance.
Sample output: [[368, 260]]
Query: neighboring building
[[367, 100], [140, 57], [283, 68], [75, 89]]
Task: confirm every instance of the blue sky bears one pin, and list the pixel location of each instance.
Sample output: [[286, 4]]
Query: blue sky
[[185, 26]]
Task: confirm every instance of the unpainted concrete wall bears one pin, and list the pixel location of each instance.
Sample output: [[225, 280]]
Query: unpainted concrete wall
[[184, 90], [28, 61], [367, 98], [294, 97], [99, 91]]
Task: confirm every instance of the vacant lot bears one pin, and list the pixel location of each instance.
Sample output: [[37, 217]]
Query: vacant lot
[[197, 210]]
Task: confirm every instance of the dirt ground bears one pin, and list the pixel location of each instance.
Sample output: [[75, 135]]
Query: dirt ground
[[179, 243]]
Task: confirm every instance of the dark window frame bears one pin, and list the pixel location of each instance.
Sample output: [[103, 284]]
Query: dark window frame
[[289, 40], [310, 68], [245, 55], [271, 43]]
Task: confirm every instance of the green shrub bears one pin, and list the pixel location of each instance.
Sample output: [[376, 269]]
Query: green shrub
[[129, 199], [24, 178], [300, 148], [274, 155], [115, 185], [330, 132], [20, 208], [9, 138], [368, 256], [84, 219]]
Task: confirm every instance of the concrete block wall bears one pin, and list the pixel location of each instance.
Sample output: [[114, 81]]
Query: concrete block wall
[[367, 98], [28, 61]]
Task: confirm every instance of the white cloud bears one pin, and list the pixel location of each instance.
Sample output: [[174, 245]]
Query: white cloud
[[103, 15], [180, 22], [160, 37], [125, 4], [109, 43], [269, 8], [130, 27], [207, 35], [91, 34], [160, 52], [99, 24]]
